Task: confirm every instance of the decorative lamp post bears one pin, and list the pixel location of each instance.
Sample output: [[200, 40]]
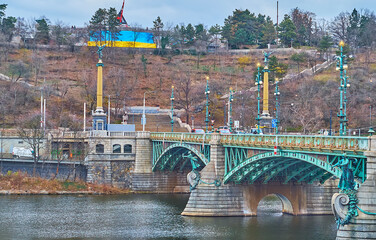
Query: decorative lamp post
[[344, 84], [207, 91], [172, 108], [276, 94], [230, 100], [370, 131], [258, 83]]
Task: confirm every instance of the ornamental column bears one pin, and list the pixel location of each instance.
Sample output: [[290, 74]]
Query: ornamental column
[[266, 119], [99, 116]]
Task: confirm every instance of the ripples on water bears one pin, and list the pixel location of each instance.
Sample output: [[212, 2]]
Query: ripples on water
[[146, 217]]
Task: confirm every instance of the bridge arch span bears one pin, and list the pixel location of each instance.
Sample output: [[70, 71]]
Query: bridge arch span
[[282, 167], [286, 204], [293, 197], [178, 156]]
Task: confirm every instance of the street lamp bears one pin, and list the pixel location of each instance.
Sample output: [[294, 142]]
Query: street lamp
[[258, 83], [370, 131], [207, 91], [143, 119], [230, 100], [344, 84], [172, 108], [276, 94]]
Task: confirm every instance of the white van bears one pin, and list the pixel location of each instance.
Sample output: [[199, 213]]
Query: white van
[[20, 152]]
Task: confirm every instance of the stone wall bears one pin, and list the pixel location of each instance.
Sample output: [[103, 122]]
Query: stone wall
[[115, 173], [46, 169], [160, 182]]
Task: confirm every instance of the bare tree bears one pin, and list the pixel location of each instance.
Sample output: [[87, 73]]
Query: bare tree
[[339, 26], [121, 86], [32, 133], [38, 62]]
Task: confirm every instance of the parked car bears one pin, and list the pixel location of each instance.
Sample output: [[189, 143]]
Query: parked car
[[198, 130]]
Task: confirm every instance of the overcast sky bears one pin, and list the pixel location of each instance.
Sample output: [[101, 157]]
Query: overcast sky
[[143, 12]]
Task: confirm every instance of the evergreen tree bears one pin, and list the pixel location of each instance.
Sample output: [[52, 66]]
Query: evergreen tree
[[8, 26], [268, 33], [158, 24], [325, 43], [157, 27], [98, 26], [353, 29], [189, 33], [112, 25], [43, 31], [286, 31], [2, 10]]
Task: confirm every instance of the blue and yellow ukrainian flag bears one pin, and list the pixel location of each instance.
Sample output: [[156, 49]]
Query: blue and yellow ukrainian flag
[[130, 39]]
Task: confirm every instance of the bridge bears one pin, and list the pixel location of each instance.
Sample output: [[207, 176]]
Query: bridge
[[230, 174]]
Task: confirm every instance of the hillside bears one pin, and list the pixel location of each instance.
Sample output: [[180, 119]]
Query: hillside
[[70, 80]]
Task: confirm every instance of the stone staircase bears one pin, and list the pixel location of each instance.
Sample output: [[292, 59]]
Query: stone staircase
[[156, 123]]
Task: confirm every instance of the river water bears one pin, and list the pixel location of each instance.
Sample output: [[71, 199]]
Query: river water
[[147, 217]]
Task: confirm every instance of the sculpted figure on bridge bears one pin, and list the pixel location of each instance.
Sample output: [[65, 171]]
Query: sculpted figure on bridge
[[347, 178]]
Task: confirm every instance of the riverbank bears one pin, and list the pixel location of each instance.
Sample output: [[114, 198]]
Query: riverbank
[[19, 183]]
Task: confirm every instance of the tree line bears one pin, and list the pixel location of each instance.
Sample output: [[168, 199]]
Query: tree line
[[242, 29]]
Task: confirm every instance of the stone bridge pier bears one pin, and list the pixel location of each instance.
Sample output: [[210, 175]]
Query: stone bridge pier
[[364, 225], [242, 200], [145, 180]]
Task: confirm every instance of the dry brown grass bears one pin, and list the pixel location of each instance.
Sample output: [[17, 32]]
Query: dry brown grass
[[18, 182]]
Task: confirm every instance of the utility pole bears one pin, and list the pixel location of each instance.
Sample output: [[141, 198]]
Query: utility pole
[[230, 100], [330, 124], [277, 22], [109, 109], [207, 91], [44, 116], [172, 108], [84, 116]]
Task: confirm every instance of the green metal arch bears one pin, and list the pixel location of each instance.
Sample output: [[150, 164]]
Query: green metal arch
[[244, 168], [177, 146]]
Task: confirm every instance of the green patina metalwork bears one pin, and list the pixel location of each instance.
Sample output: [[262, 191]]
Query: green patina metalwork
[[282, 166], [305, 158], [181, 137], [352, 211], [179, 154]]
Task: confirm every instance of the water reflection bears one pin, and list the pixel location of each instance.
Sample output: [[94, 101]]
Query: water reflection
[[145, 217]]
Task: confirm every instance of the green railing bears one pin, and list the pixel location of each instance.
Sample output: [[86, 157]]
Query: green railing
[[299, 142], [181, 137]]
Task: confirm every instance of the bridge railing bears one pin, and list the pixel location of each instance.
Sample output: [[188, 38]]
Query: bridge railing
[[181, 137], [319, 143]]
